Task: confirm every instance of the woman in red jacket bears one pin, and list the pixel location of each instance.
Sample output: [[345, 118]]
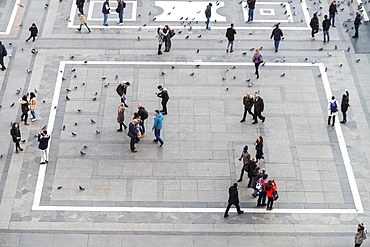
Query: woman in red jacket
[[270, 188]]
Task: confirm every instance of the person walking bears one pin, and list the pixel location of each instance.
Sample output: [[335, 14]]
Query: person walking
[[332, 12], [245, 156], [120, 10], [314, 24], [230, 34], [233, 200], [33, 32], [360, 235], [163, 93], [43, 139], [167, 39], [32, 104], [259, 148], [24, 107], [270, 188], [122, 91], [251, 6], [332, 110], [80, 5], [121, 116], [208, 14], [160, 36], [16, 135], [277, 34], [132, 133], [258, 109], [83, 21], [256, 175], [248, 103], [257, 60], [325, 28], [157, 126], [262, 195], [344, 106], [143, 115], [3, 53], [106, 11], [357, 24]]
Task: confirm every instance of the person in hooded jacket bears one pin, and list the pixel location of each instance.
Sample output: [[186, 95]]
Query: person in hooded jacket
[[332, 12], [360, 236], [246, 158], [344, 106], [314, 24]]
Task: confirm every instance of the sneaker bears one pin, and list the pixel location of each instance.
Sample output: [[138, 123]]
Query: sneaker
[[46, 161], [3, 69], [120, 24], [254, 122], [161, 144], [79, 29], [126, 105], [105, 25], [34, 119], [21, 149], [263, 120]]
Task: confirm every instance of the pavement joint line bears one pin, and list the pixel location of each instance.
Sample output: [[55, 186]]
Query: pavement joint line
[[12, 17], [338, 129]]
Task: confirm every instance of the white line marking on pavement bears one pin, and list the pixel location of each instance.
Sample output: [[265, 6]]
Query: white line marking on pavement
[[338, 129], [12, 18]]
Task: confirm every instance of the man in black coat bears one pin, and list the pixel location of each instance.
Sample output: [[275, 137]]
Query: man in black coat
[[332, 12], [277, 34], [344, 106], [230, 34], [314, 24], [122, 90], [80, 6], [165, 97], [233, 200], [33, 32], [3, 53], [248, 103], [258, 109], [357, 24], [143, 115], [251, 7], [325, 28]]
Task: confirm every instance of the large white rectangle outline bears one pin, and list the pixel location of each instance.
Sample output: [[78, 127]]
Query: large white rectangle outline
[[154, 27], [338, 130], [12, 18]]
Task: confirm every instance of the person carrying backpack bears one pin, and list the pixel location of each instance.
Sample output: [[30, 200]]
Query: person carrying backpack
[[167, 39], [121, 5], [332, 110], [270, 188], [261, 186], [143, 115], [256, 175]]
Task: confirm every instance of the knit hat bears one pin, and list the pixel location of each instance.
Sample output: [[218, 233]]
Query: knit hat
[[79, 14], [33, 24], [246, 147]]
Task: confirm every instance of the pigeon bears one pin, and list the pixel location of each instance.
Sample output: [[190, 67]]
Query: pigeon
[[244, 53], [335, 47], [139, 29], [340, 65], [150, 12], [250, 33], [55, 107], [306, 59], [154, 18], [23, 141], [192, 74], [18, 91], [96, 93], [20, 5], [261, 48], [250, 84], [43, 101], [286, 11], [248, 80], [68, 90], [75, 76], [75, 88], [179, 32], [181, 18], [82, 153], [233, 67], [234, 77], [138, 38], [29, 71], [104, 77], [301, 19], [326, 69], [106, 85], [63, 78], [83, 84], [172, 67], [35, 90], [97, 131], [85, 61], [12, 104], [73, 70], [162, 73], [59, 187], [44, 127], [21, 24], [94, 99], [76, 123], [358, 60], [227, 89], [319, 75], [73, 133], [144, 25], [81, 188], [79, 110], [320, 49], [10, 43], [85, 146], [329, 54], [283, 74], [67, 98], [198, 65], [187, 37], [92, 121], [199, 36], [197, 50], [223, 78], [64, 127], [71, 57]]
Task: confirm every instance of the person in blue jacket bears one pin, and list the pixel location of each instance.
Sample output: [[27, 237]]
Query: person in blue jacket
[[157, 126]]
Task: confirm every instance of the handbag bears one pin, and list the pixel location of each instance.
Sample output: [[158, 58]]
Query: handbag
[[275, 195]]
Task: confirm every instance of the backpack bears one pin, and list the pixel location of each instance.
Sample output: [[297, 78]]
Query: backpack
[[259, 186], [333, 106], [4, 52], [171, 33], [124, 4], [145, 114]]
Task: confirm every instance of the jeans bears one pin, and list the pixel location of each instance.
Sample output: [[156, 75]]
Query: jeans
[[33, 114], [332, 18], [105, 22], [344, 116], [276, 44], [262, 198], [207, 22], [231, 43], [250, 14], [123, 97], [142, 126], [157, 134], [120, 15], [255, 192], [326, 34]]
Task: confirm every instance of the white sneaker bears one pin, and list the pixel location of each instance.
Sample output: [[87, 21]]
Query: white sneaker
[[34, 119], [120, 24]]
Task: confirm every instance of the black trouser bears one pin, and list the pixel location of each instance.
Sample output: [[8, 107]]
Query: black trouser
[[247, 110], [256, 65], [229, 206], [17, 146], [164, 106], [262, 198], [270, 202], [81, 8], [31, 36], [24, 116], [259, 115], [122, 124], [329, 118], [2, 62], [314, 31], [167, 44], [132, 142], [357, 245], [356, 30], [242, 173]]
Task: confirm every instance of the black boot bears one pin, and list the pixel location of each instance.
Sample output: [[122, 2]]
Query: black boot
[[159, 49]]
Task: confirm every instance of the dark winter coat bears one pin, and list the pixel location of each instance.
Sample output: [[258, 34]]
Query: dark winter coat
[[251, 4], [233, 195], [121, 115], [248, 102], [357, 20], [142, 113], [105, 8], [164, 95], [80, 2], [326, 24], [133, 130], [345, 102], [256, 176], [259, 105], [15, 133], [314, 24], [249, 168], [230, 34], [34, 31], [277, 34], [121, 89], [245, 156], [2, 49], [333, 9], [43, 141], [24, 106], [259, 149]]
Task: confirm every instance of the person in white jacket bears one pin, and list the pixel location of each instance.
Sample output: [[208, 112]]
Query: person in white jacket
[[332, 110]]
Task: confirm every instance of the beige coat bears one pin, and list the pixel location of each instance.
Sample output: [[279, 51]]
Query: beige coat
[[32, 104], [161, 36], [82, 19]]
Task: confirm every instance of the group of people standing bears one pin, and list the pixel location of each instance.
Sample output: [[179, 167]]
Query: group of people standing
[[333, 108], [121, 5], [164, 35]]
